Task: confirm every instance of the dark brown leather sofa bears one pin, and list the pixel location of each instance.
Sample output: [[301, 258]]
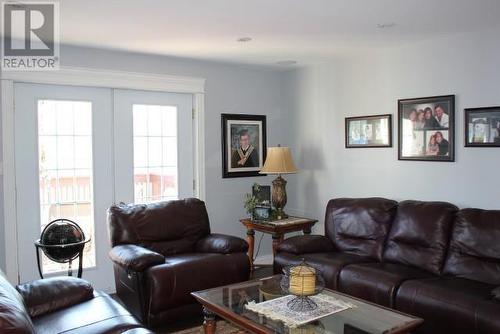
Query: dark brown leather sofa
[[61, 305], [428, 259], [164, 251]]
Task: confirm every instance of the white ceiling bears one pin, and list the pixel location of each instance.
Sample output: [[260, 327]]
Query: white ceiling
[[304, 30]]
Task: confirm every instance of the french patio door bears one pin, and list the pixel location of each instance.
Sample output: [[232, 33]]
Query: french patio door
[[153, 146], [78, 150]]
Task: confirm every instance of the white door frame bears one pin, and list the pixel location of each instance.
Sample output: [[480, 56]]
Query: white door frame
[[93, 78]]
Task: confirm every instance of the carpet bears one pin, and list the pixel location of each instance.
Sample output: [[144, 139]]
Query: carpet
[[222, 328]]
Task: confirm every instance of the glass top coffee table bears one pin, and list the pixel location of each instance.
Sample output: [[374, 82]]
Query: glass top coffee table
[[229, 302]]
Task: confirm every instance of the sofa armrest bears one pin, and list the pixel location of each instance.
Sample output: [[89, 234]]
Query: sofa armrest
[[304, 244], [496, 293], [220, 243], [51, 294], [135, 258]]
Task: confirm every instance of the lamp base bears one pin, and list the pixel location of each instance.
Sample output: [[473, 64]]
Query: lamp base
[[279, 196], [280, 214]]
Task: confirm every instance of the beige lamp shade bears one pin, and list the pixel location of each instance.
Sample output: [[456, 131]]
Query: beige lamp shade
[[279, 161]]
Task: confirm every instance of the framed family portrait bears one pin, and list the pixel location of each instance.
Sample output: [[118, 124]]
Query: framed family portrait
[[368, 131], [243, 145], [426, 128], [482, 127]]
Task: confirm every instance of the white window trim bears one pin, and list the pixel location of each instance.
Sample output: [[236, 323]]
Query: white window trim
[[93, 78]]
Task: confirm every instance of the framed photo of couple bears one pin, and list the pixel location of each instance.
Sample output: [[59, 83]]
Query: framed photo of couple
[[426, 128]]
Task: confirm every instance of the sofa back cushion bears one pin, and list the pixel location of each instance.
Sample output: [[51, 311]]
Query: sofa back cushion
[[420, 234], [14, 317], [359, 226], [168, 228], [474, 251]]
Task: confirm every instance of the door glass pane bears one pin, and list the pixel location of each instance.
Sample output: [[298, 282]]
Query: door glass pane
[[155, 153], [65, 170]]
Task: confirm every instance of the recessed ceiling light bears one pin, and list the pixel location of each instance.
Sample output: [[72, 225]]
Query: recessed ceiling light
[[386, 25], [244, 39], [286, 62]]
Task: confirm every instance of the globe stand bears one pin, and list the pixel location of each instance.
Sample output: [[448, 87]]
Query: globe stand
[[62, 241]]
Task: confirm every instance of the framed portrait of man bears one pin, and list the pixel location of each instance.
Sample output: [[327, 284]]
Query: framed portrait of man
[[426, 128], [482, 127], [243, 145]]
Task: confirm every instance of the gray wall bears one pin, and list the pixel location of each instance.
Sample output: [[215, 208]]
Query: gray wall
[[320, 97], [229, 89], [306, 110]]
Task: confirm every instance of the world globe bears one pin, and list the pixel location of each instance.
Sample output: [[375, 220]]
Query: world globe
[[59, 233]]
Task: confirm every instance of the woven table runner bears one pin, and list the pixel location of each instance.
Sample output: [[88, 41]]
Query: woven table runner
[[277, 309]]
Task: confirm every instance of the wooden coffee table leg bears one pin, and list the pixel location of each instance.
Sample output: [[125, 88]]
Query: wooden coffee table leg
[[250, 241], [209, 324]]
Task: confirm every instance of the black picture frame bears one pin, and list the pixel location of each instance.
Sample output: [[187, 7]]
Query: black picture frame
[[418, 138], [363, 141], [489, 120], [263, 194], [231, 125]]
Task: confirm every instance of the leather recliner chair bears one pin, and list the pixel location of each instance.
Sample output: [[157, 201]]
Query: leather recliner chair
[[62, 305], [428, 259], [164, 251]]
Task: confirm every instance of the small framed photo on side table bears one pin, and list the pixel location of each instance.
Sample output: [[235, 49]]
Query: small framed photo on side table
[[482, 127], [368, 131]]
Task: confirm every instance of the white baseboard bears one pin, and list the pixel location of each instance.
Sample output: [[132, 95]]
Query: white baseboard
[[264, 260]]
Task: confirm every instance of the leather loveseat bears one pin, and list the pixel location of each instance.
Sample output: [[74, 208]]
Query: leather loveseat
[[164, 251], [61, 305], [429, 259]]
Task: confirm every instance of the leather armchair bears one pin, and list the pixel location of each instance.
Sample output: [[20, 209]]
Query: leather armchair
[[57, 305], [164, 251]]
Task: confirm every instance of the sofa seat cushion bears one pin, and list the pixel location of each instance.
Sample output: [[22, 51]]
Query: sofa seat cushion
[[377, 282], [448, 305], [329, 263], [169, 285], [100, 314], [488, 321]]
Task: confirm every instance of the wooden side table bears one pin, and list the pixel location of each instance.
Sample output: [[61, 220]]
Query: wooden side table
[[277, 231]]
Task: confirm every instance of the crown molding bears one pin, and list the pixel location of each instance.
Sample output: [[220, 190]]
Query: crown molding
[[78, 76]]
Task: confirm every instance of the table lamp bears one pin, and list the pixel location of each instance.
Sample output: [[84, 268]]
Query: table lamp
[[279, 161]]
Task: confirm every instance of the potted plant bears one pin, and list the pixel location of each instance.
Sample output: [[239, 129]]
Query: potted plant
[[251, 201]]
